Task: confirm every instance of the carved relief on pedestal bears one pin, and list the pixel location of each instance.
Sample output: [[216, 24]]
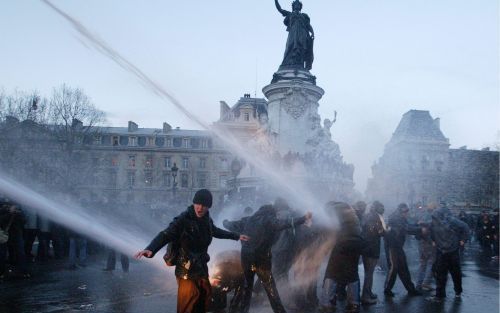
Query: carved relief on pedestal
[[295, 102]]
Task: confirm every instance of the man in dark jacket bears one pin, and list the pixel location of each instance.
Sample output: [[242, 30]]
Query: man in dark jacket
[[342, 267], [395, 238], [448, 233], [193, 231], [373, 229], [426, 250], [256, 257]]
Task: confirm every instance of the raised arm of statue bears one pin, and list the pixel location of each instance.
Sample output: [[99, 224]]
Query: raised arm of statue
[[283, 12]]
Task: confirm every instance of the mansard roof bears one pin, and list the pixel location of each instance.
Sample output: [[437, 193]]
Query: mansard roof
[[419, 125]]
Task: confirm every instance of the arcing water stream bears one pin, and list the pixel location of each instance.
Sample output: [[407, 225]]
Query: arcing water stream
[[115, 235]]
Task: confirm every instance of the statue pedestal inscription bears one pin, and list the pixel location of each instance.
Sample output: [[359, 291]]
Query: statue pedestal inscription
[[293, 109]]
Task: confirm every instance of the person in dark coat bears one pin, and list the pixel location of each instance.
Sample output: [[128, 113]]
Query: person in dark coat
[[395, 238], [448, 234], [426, 250], [486, 232], [342, 267], [193, 231], [256, 257], [373, 229]]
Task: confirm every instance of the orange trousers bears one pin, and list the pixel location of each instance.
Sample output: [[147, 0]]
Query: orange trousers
[[193, 295]]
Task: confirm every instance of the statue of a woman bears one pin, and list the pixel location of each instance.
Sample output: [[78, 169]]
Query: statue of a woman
[[299, 45]]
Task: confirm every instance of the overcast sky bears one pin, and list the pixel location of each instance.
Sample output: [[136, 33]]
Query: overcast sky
[[375, 60]]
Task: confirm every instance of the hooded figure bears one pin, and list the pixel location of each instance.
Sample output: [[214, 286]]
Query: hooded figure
[[373, 228], [342, 268], [263, 228], [448, 233]]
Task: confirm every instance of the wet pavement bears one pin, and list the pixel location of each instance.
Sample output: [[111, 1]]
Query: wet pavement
[[149, 290]]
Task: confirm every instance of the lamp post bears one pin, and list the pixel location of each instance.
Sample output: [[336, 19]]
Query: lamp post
[[235, 170], [174, 170]]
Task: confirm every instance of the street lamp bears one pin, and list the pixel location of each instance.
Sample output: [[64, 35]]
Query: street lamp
[[174, 170], [235, 170]]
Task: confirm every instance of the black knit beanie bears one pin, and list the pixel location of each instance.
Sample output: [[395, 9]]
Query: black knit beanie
[[203, 197]]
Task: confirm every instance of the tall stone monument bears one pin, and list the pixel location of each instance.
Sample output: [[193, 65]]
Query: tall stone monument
[[293, 95]]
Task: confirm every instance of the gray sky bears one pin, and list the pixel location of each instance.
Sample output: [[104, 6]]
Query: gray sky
[[375, 59]]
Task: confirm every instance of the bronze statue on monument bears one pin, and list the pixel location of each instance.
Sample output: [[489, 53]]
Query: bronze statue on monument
[[299, 45]]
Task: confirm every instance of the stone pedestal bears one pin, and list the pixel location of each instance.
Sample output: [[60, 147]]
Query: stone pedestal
[[293, 109]]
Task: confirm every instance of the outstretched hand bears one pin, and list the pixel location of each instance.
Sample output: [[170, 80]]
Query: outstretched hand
[[143, 253], [244, 238]]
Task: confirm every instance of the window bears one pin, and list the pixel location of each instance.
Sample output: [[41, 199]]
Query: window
[[151, 141], [224, 165], [184, 180], [204, 144], [131, 178], [95, 162], [185, 162], [131, 160], [132, 141], [115, 140], [202, 180], [425, 162], [148, 163], [166, 162], [168, 142], [167, 179], [247, 117], [148, 178], [97, 140], [177, 142], [185, 143], [203, 163]]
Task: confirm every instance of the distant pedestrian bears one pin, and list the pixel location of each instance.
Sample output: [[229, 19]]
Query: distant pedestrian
[[373, 228], [111, 262], [448, 234], [426, 250]]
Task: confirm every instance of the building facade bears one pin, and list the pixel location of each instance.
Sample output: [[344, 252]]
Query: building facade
[[418, 167]]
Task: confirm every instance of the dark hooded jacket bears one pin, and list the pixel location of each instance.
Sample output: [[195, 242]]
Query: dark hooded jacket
[[447, 231], [398, 228], [343, 262], [263, 228], [372, 230], [193, 236]]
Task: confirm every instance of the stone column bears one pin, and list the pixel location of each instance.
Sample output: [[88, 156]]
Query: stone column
[[293, 109]]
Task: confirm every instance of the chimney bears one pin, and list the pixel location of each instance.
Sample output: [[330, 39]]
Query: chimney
[[463, 148], [132, 127], [485, 149], [166, 127], [247, 95], [437, 122], [76, 123]]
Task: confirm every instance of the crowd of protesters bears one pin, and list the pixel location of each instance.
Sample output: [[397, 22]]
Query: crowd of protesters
[[275, 236], [273, 239], [31, 239]]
